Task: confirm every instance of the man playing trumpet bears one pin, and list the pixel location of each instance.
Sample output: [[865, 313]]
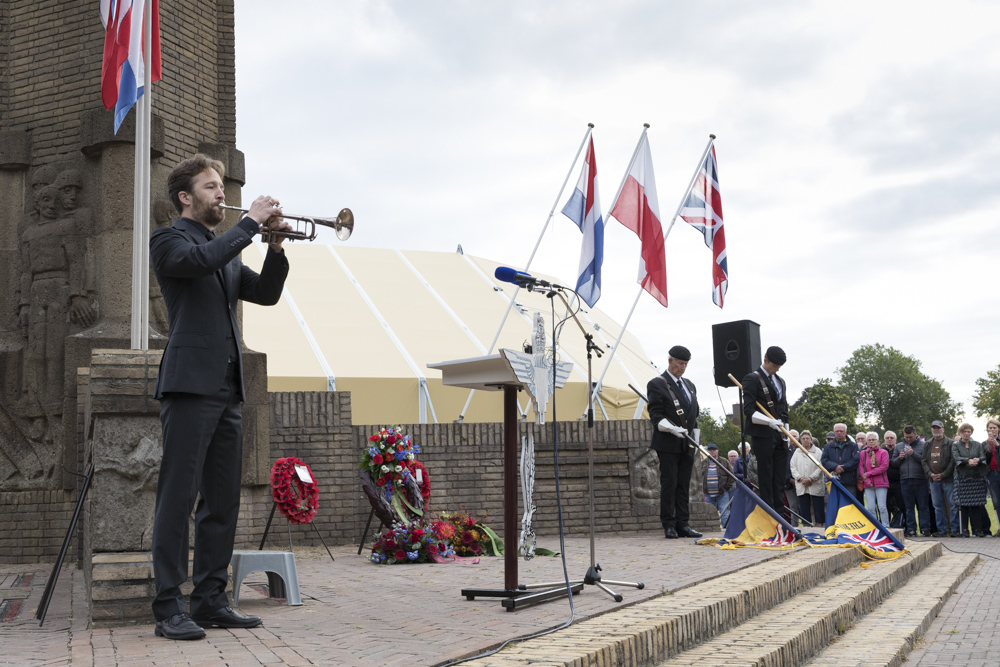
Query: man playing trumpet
[[200, 388]]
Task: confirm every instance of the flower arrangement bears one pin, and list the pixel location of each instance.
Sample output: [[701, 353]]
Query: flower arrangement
[[296, 499], [410, 542], [391, 460], [467, 535]]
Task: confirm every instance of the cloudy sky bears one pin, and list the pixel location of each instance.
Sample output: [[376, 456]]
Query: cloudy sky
[[857, 143]]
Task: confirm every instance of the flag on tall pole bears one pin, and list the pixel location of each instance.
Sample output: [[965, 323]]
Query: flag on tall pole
[[638, 209], [584, 208], [123, 70], [703, 211]]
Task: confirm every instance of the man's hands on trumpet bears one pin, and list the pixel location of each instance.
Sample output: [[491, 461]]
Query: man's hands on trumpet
[[266, 212]]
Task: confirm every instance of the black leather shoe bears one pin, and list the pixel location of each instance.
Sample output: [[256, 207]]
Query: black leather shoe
[[670, 533], [227, 617], [940, 533], [688, 531], [909, 533], [179, 626]]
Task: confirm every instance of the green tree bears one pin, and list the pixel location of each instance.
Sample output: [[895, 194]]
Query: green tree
[[890, 391], [821, 406], [986, 400], [722, 432]]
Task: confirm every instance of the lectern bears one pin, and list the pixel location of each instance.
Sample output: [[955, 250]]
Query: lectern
[[496, 372]]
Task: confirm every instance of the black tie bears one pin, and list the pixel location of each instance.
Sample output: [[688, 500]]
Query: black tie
[[682, 395]]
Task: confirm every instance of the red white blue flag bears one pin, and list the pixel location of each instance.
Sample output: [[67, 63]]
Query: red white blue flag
[[638, 209], [703, 211], [123, 71], [584, 208]]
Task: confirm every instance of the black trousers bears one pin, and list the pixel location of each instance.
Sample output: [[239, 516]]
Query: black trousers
[[772, 464], [675, 480], [202, 453]]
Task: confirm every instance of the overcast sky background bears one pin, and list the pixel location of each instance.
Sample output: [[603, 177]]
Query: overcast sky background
[[857, 147]]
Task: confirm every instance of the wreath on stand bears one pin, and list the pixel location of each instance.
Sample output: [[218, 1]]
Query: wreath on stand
[[298, 500]]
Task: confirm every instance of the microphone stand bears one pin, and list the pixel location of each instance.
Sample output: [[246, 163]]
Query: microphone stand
[[593, 576]]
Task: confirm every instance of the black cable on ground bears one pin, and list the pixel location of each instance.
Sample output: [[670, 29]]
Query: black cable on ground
[[562, 533], [973, 551]]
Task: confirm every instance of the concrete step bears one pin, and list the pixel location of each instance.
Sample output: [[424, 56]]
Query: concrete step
[[649, 632], [794, 631], [886, 635]]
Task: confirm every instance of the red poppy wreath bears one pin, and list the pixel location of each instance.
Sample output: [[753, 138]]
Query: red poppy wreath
[[296, 499]]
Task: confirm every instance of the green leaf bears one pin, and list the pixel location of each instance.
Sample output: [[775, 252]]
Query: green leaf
[[542, 551], [413, 509], [495, 540]]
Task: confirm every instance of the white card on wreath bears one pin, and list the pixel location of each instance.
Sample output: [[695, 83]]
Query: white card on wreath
[[303, 473]]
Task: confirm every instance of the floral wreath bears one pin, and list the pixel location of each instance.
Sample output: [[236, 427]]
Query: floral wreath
[[297, 501], [425, 485]]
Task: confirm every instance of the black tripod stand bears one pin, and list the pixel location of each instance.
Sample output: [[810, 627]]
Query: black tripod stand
[[593, 576]]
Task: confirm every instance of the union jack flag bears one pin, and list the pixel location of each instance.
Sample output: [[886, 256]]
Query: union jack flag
[[703, 211], [782, 538], [876, 540]]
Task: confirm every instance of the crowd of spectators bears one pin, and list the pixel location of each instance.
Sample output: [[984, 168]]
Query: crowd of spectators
[[932, 487]]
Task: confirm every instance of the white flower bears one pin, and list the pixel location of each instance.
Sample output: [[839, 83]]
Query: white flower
[[409, 457], [399, 468], [385, 468]]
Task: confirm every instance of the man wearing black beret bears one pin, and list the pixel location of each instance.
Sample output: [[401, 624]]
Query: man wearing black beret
[[673, 409], [766, 439]]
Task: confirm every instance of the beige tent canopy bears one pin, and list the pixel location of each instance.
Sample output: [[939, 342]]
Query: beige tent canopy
[[369, 320]]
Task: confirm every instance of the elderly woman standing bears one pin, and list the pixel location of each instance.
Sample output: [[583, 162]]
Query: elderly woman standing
[[810, 484], [873, 471], [971, 469]]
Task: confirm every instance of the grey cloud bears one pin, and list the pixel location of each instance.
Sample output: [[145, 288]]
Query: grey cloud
[[924, 118]]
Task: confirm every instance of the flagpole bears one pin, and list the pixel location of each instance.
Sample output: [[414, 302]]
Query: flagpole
[[687, 193], [140, 212], [694, 179], [503, 320]]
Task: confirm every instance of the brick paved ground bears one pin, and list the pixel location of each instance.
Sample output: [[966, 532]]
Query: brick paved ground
[[966, 631], [356, 613]]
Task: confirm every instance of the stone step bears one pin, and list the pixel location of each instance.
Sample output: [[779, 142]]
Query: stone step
[[652, 631], [794, 631], [886, 635]]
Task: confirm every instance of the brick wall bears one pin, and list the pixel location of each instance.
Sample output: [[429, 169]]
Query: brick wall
[[464, 462], [50, 71], [33, 524]]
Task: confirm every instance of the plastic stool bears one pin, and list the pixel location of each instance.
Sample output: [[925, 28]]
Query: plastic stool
[[282, 577]]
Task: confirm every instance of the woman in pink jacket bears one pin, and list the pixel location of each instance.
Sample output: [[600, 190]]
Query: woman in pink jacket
[[873, 471]]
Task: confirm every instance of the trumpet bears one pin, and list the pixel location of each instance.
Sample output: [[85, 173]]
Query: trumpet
[[343, 224]]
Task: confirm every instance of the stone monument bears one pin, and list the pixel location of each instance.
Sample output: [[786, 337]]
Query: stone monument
[[66, 209]]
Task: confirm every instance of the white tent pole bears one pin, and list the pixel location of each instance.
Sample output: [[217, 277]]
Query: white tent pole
[[503, 320], [687, 192]]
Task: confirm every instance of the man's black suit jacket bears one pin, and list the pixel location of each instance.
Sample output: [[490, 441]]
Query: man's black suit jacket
[[661, 407], [201, 281], [752, 393]]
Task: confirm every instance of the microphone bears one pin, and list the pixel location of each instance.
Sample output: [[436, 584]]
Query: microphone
[[521, 279]]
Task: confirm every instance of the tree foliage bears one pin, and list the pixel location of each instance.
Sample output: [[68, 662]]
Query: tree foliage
[[986, 400], [722, 432], [889, 390], [821, 406]]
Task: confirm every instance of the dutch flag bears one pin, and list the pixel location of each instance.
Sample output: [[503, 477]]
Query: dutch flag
[[123, 73], [584, 209]]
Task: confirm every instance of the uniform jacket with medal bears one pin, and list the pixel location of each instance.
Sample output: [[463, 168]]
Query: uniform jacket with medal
[[201, 280], [753, 392], [661, 406]]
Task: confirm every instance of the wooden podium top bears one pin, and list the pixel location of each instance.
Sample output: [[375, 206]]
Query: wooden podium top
[[489, 373]]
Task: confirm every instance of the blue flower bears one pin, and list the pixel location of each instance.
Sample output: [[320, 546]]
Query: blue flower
[[372, 451], [412, 555]]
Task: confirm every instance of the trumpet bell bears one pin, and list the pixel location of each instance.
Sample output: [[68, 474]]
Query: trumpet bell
[[344, 224]]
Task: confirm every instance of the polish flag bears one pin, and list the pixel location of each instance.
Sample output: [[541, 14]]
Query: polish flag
[[638, 209]]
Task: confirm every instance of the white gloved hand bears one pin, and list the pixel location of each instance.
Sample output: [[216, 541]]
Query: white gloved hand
[[763, 420], [672, 429]]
